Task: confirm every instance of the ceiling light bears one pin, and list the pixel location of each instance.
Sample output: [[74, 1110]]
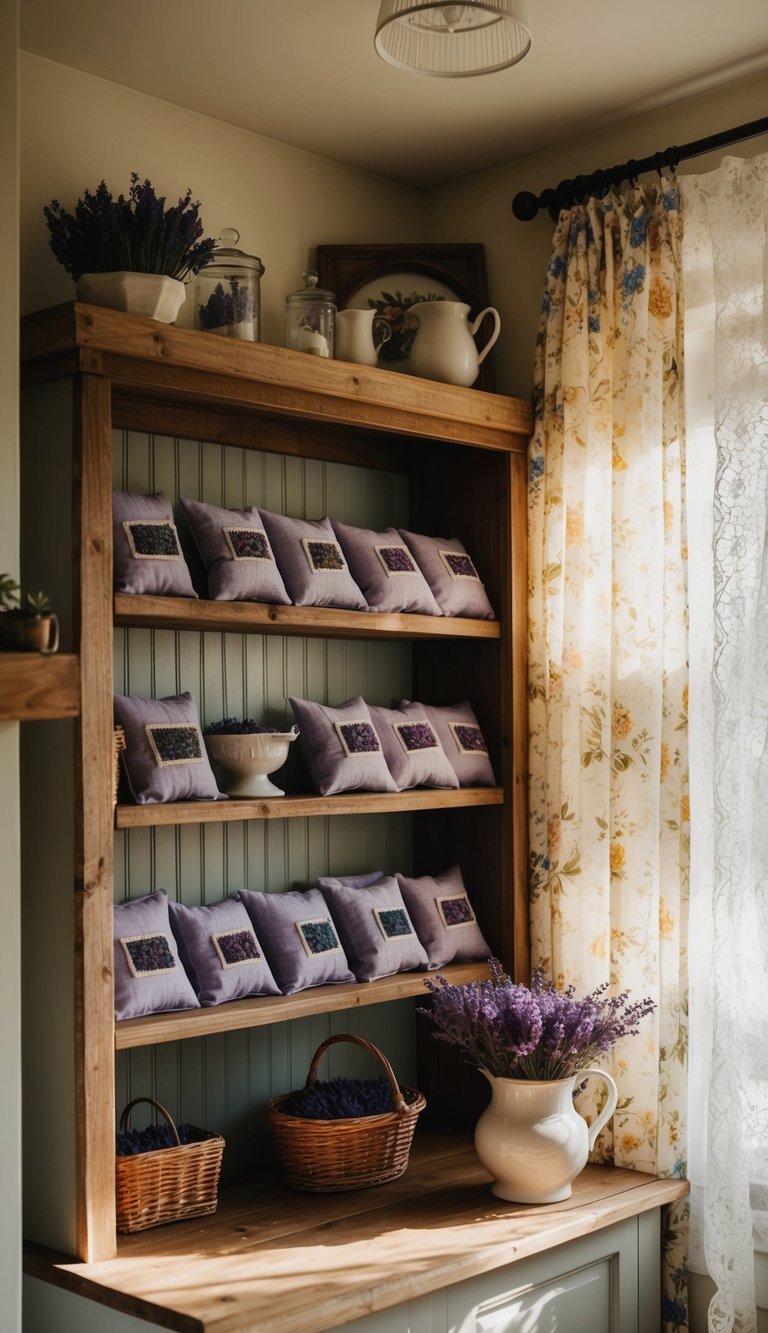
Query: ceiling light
[[453, 41]]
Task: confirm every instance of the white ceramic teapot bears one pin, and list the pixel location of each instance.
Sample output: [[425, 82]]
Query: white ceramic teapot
[[444, 348]]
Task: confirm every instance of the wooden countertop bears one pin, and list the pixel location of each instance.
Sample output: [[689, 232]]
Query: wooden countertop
[[275, 1260]]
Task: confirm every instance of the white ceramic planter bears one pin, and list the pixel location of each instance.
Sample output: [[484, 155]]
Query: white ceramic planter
[[150, 294], [248, 759]]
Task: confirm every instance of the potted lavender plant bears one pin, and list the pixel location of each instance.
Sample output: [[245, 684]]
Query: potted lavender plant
[[533, 1046], [130, 253]]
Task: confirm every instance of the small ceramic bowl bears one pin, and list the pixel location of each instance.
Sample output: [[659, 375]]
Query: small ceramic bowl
[[248, 759]]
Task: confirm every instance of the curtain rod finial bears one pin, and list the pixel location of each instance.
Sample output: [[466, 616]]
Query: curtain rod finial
[[525, 206]]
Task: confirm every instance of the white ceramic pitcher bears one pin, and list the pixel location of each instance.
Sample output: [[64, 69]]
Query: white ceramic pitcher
[[354, 339], [444, 347], [533, 1140]]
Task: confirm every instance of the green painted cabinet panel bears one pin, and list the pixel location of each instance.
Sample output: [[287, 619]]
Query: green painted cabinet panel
[[605, 1283]]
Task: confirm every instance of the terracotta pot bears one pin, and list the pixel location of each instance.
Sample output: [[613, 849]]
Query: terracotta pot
[[29, 633]]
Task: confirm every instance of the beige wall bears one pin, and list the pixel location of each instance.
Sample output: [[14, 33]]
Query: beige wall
[[479, 208], [76, 129], [10, 978]]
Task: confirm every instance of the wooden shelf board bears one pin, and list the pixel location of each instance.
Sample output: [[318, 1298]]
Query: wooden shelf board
[[261, 1010], [306, 806], [186, 613], [34, 686], [184, 365], [281, 1261]]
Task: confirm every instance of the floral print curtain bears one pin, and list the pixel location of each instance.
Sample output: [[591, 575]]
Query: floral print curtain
[[609, 808]]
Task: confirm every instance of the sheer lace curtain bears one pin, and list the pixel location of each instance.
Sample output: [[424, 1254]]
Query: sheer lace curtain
[[726, 264]]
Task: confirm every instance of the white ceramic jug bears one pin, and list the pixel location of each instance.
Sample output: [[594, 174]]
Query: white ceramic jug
[[354, 336], [533, 1140], [444, 348]]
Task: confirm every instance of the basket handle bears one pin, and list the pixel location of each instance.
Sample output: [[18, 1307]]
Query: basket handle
[[168, 1118], [398, 1100]]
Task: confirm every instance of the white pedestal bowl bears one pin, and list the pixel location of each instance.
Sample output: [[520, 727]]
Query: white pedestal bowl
[[248, 759]]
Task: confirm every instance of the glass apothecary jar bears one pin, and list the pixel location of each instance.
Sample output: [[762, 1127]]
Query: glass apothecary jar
[[310, 318], [228, 292]]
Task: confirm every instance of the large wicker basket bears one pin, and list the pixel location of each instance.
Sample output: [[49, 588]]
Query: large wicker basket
[[328, 1156], [168, 1184]]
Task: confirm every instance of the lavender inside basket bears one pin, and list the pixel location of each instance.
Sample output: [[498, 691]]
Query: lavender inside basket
[[341, 1099]]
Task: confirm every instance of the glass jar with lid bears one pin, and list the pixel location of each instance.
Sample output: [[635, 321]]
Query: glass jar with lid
[[310, 318], [228, 292]]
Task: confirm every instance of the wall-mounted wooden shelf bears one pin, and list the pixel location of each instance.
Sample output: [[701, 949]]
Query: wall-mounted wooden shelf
[[243, 617], [302, 807], [34, 686], [260, 1010], [177, 367]]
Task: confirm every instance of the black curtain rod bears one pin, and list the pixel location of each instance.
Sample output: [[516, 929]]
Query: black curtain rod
[[525, 205]]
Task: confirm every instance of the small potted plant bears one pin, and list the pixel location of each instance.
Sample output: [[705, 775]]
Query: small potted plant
[[130, 253], [248, 752], [28, 626]]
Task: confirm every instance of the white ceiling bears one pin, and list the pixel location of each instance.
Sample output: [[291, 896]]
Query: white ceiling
[[305, 72]]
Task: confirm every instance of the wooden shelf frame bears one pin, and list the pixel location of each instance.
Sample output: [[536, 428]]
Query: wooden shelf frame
[[263, 1010], [37, 686], [306, 806], [135, 374], [165, 366], [188, 613]]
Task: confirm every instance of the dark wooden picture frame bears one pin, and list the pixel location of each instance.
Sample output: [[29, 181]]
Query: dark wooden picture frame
[[344, 269]]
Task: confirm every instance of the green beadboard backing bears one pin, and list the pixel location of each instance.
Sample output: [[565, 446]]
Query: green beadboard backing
[[221, 1082]]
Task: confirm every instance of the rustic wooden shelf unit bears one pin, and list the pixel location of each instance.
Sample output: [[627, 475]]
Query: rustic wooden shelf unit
[[463, 456]]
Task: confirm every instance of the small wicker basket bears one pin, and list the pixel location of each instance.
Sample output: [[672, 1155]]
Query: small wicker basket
[[328, 1156], [168, 1184]]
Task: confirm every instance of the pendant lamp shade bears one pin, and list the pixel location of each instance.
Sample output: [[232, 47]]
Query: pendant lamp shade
[[453, 41]]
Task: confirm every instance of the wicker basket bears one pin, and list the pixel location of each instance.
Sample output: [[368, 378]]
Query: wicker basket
[[328, 1156], [118, 737], [168, 1184]]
